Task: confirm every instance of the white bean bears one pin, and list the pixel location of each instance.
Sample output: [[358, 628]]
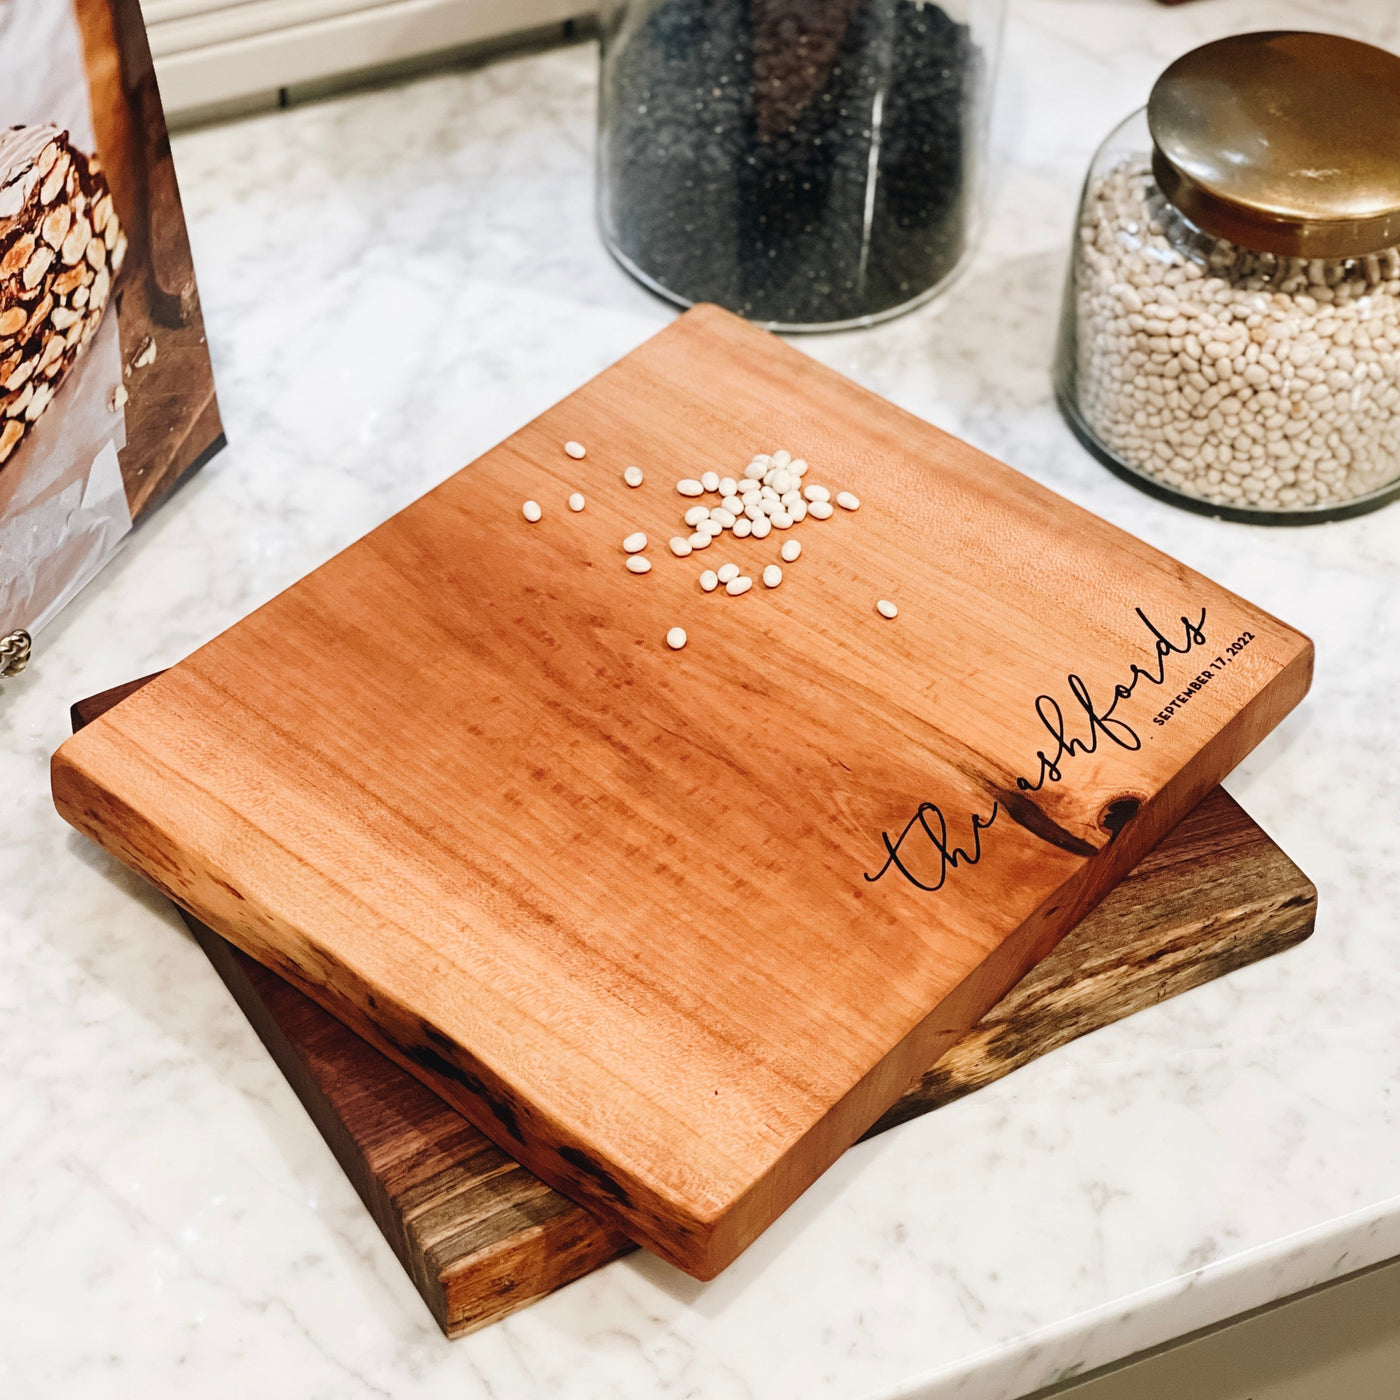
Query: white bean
[[725, 572], [743, 528], [790, 550], [633, 476], [755, 469], [531, 511], [739, 585], [816, 493], [781, 457], [820, 510], [781, 520], [797, 468], [767, 493], [722, 517], [754, 511], [886, 608], [675, 638], [727, 486], [710, 481], [781, 482], [635, 542], [798, 511], [709, 580], [695, 515], [690, 487], [770, 508], [699, 541], [575, 449], [733, 504], [639, 564], [710, 527], [847, 501], [680, 546], [772, 576], [576, 501], [790, 498], [761, 527]]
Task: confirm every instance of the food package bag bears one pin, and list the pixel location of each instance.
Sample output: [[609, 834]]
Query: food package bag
[[106, 388]]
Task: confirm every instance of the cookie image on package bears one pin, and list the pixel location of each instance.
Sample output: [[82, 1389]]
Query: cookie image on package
[[61, 246]]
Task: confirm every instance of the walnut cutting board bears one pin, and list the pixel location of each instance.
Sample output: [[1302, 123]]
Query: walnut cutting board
[[677, 927], [480, 1237]]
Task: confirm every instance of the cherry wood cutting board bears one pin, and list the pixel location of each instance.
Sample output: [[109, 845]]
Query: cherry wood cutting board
[[678, 926], [481, 1237]]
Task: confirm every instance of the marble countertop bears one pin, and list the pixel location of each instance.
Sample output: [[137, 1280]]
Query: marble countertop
[[392, 282]]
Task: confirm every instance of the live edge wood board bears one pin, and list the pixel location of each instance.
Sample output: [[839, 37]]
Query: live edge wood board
[[674, 928], [481, 1237]]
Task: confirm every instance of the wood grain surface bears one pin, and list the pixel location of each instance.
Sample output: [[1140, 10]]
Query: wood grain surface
[[481, 1237], [677, 927]]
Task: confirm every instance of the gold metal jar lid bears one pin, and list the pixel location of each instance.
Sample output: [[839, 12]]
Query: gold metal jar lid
[[1283, 142]]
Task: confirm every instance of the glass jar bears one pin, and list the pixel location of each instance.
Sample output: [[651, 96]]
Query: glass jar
[[1230, 338], [809, 164]]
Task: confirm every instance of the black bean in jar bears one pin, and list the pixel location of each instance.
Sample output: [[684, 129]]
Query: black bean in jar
[[801, 162]]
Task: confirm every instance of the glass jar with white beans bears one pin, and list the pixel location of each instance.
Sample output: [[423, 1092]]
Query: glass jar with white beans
[[1230, 338]]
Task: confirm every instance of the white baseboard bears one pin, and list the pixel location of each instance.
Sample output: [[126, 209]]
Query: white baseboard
[[212, 53]]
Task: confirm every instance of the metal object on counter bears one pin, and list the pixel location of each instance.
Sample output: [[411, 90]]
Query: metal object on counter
[[806, 163], [14, 652], [1231, 330]]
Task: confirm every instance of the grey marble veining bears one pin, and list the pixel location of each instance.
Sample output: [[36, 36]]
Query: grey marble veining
[[392, 282]]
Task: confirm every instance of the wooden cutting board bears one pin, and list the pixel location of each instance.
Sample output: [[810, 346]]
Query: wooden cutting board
[[481, 1237], [678, 926]]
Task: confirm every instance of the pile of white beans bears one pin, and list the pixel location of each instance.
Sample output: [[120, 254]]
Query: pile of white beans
[[1234, 376], [768, 496]]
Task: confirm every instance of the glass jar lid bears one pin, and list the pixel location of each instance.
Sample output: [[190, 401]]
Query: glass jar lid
[[1283, 142]]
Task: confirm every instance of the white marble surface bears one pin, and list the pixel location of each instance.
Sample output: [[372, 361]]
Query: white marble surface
[[392, 282]]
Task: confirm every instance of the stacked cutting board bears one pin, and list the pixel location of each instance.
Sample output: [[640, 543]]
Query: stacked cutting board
[[672, 929]]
